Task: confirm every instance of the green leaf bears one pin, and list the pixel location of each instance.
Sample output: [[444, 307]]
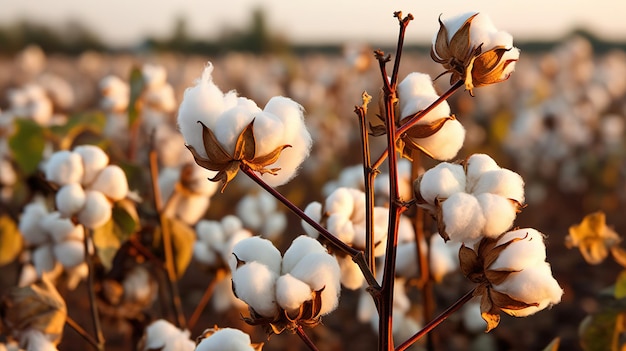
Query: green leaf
[[136, 89], [183, 238], [107, 242], [27, 144], [620, 286], [10, 240], [124, 222]]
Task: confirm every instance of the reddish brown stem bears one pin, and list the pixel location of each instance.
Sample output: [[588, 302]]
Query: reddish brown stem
[[206, 297], [82, 332], [307, 341], [435, 322]]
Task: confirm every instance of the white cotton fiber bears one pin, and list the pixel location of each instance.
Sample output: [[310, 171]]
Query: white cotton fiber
[[254, 283], [64, 167], [210, 232], [247, 209], [351, 276], [268, 133], [443, 258], [463, 218], [499, 214], [204, 254], [340, 226], [274, 225], [94, 161], [70, 199], [30, 223], [256, 249], [502, 182], [164, 336], [300, 247], [527, 249], [314, 211], [226, 339], [341, 201], [476, 165], [43, 258], [191, 208], [231, 224], [111, 181], [61, 229], [415, 84], [97, 210], [321, 270], [291, 293], [69, 253], [442, 181], [446, 143], [229, 126]]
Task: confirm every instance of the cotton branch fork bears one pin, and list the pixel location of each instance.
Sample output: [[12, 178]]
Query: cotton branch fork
[[92, 295], [369, 175], [357, 256], [435, 322], [166, 238]]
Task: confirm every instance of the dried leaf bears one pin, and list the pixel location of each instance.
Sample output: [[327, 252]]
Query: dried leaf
[[107, 242], [421, 131], [619, 255], [183, 239], [593, 237], [38, 306], [11, 241], [553, 345]]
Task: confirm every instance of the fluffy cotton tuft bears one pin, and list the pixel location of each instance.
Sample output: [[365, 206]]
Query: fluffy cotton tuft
[[61, 229], [97, 210], [442, 181], [64, 167], [443, 258], [30, 223], [476, 165], [300, 247], [94, 161], [256, 249], [291, 293], [320, 270], [528, 249], [226, 339], [69, 253], [162, 335], [499, 214], [314, 211], [111, 181], [502, 182], [70, 199], [255, 283], [463, 218], [446, 143]]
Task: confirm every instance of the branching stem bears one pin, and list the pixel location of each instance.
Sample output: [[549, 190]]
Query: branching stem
[[95, 317], [306, 338]]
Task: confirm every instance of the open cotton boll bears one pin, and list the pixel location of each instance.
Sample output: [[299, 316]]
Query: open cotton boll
[[533, 284], [413, 85], [97, 210], [70, 199], [300, 247], [419, 103], [256, 249], [162, 335], [499, 214], [267, 203], [111, 181], [341, 227], [351, 276], [463, 218], [138, 285], [314, 211], [204, 254], [341, 202], [475, 166], [61, 229], [503, 182], [443, 258], [446, 143], [226, 249], [43, 259], [248, 210], [227, 339], [255, 283], [231, 224], [30, 223], [94, 160], [321, 270], [527, 250], [442, 181], [210, 232], [64, 167], [274, 225], [269, 133], [69, 253], [230, 124], [291, 293], [454, 23]]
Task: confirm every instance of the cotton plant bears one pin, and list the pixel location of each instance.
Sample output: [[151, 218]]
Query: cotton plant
[[88, 184], [114, 100], [213, 249], [162, 335], [285, 292], [220, 339], [157, 98], [186, 192], [343, 214], [56, 245], [472, 200], [225, 132], [259, 212]]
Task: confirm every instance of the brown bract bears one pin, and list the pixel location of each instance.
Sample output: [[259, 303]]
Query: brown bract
[[420, 131], [308, 315], [466, 62], [475, 266], [594, 239], [228, 165]]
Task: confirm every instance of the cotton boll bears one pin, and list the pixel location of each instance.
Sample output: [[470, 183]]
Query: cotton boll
[[533, 284], [340, 202], [446, 143], [321, 270], [210, 232], [314, 211], [476, 165], [442, 181], [43, 259], [97, 210], [138, 285], [454, 23], [223, 297], [162, 335], [247, 209], [295, 134], [69, 253], [291, 293], [226, 249], [190, 209], [256, 249], [229, 126], [300, 247], [275, 225], [419, 103], [226, 339], [197, 180], [499, 214], [254, 283], [268, 133], [502, 182], [415, 84], [111, 181], [527, 249], [443, 258], [204, 254], [30, 223], [64, 167], [94, 161], [351, 276], [61, 229], [463, 218], [70, 199], [341, 227], [115, 94], [231, 224]]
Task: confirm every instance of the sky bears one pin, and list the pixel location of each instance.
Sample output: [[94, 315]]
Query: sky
[[124, 22]]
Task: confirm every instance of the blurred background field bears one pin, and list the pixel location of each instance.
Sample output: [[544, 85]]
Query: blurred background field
[[560, 122]]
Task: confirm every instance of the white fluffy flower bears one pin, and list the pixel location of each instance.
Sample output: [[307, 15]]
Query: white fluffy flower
[[97, 210], [111, 181], [226, 339], [94, 160], [70, 199]]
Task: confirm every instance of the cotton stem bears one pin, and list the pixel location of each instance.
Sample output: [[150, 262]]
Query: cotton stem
[[95, 317]]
